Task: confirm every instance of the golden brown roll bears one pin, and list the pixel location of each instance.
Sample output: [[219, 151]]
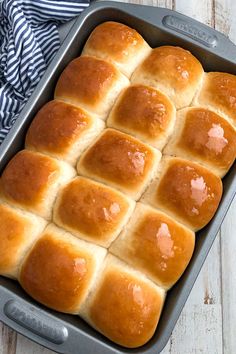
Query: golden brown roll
[[92, 84], [60, 270], [185, 190], [145, 113], [18, 231], [118, 44], [218, 93], [92, 211], [123, 305], [120, 161], [172, 70], [203, 136], [31, 181], [156, 245], [62, 130]]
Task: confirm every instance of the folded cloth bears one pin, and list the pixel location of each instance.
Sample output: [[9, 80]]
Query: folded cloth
[[29, 39]]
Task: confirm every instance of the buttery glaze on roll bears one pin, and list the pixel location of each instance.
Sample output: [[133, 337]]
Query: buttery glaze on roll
[[172, 70], [31, 181], [204, 136], [92, 84], [156, 245], [186, 191], [62, 130], [144, 113], [124, 305], [92, 211], [218, 92], [121, 161], [18, 231], [118, 44], [60, 270]]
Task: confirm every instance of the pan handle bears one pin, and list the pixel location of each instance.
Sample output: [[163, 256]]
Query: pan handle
[[44, 328], [199, 33], [183, 26]]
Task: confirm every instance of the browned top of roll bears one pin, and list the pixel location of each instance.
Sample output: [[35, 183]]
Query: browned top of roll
[[173, 65], [154, 236], [27, 176], [56, 273], [168, 244], [91, 208], [126, 309], [209, 136], [119, 158], [56, 127], [115, 39], [143, 109], [13, 235], [86, 79], [190, 191], [219, 90]]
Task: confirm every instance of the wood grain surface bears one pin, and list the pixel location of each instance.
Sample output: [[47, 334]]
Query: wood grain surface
[[207, 324]]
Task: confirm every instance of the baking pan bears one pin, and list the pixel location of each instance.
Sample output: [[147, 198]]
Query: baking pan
[[69, 334]]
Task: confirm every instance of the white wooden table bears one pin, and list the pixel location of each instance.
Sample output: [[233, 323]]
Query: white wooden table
[[207, 324]]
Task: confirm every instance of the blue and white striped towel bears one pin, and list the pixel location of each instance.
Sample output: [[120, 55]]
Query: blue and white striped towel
[[29, 40]]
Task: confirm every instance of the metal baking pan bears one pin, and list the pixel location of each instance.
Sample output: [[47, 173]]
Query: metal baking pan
[[69, 334]]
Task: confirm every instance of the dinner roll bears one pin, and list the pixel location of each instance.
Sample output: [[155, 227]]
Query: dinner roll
[[18, 232], [123, 305], [92, 84], [31, 181], [203, 136], [155, 244], [62, 130], [218, 92], [120, 161], [172, 70], [60, 270], [185, 190], [118, 44], [92, 211], [145, 113]]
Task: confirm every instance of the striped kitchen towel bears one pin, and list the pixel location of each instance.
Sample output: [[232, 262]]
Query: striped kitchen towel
[[29, 39]]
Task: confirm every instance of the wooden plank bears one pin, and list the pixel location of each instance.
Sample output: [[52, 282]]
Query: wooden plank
[[7, 340], [225, 22], [160, 3], [228, 257], [197, 316], [199, 10], [25, 346]]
